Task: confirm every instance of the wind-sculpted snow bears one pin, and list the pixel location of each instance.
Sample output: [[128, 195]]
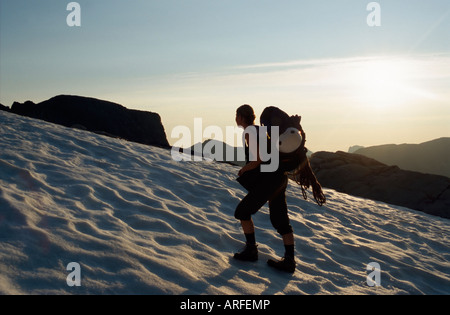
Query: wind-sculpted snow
[[138, 222]]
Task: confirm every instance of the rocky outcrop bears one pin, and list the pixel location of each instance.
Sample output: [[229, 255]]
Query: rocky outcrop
[[365, 177], [98, 116], [5, 108]]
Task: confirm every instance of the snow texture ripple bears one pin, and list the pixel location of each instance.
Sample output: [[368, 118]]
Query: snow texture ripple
[[138, 222]]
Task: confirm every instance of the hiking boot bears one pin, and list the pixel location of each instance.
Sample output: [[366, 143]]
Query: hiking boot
[[286, 264], [250, 253]]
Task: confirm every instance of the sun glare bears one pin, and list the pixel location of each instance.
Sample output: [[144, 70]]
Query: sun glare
[[383, 83]]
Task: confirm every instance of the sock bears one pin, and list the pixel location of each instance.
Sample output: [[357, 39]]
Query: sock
[[250, 238], [289, 251]]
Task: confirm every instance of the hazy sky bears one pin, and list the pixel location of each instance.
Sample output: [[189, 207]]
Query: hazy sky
[[352, 83]]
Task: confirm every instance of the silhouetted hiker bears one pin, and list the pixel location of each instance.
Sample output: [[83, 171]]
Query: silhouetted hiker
[[271, 187]]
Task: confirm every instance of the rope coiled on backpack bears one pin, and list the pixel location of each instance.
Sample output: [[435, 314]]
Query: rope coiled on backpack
[[303, 175]]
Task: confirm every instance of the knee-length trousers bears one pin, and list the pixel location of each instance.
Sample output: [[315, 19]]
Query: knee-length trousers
[[271, 188]]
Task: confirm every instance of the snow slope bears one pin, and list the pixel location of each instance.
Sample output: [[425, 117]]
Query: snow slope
[[138, 222]]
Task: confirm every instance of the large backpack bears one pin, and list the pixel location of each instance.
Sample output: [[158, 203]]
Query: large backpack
[[295, 164]]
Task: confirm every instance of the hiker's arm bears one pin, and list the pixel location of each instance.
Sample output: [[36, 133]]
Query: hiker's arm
[[254, 163], [250, 166]]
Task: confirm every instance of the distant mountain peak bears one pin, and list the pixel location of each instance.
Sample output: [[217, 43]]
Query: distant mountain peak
[[428, 157]]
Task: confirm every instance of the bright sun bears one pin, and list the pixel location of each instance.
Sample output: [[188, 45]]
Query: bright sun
[[382, 83]]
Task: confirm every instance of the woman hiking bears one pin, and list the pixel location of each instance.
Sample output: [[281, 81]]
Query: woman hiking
[[262, 187]]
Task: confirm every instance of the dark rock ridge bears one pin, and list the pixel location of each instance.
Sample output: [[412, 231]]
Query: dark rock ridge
[[5, 108], [98, 116], [361, 176], [430, 157]]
